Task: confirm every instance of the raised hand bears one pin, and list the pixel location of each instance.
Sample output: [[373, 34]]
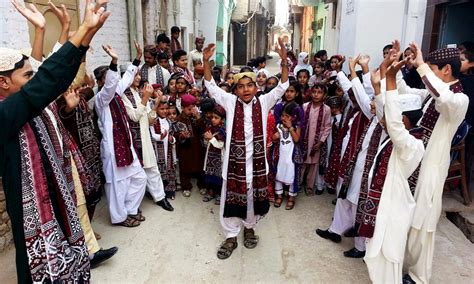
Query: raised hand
[[418, 61], [340, 63], [139, 50], [353, 62], [147, 91], [95, 15], [280, 48], [110, 51], [72, 98], [375, 80], [62, 14], [31, 14], [394, 68], [208, 51], [363, 60]]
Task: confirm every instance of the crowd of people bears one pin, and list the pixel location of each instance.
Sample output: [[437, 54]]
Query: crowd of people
[[379, 140]]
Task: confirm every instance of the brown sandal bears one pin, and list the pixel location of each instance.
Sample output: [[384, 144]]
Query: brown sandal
[[250, 239], [226, 248], [278, 201], [309, 191], [139, 217], [291, 203], [130, 223]]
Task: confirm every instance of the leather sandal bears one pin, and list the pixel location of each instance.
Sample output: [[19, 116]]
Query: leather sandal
[[250, 239], [290, 203], [278, 200], [226, 248]]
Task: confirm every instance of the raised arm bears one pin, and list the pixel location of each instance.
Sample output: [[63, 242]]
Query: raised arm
[[65, 20], [135, 114], [359, 92], [222, 98]]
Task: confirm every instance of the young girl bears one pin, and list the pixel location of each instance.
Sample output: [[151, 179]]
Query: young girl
[[182, 87], [262, 76], [318, 126], [318, 74], [170, 90], [214, 139], [288, 136], [292, 94], [303, 78], [161, 133], [173, 114]]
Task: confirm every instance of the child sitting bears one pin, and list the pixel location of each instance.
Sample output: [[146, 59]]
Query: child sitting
[[214, 138], [288, 137]]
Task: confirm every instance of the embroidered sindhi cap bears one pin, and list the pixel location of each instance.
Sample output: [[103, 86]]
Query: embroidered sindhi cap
[[187, 100], [8, 58], [443, 55], [241, 75], [334, 101]]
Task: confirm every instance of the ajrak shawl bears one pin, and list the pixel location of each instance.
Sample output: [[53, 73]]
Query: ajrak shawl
[[236, 197], [121, 133]]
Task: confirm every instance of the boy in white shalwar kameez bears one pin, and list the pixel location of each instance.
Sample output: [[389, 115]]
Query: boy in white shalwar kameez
[[125, 177], [244, 171]]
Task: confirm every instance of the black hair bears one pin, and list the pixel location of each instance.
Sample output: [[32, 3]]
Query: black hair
[[207, 104], [100, 71], [388, 46], [260, 60], [161, 56], [246, 69], [301, 71], [18, 65], [455, 64], [321, 53], [175, 29], [299, 92], [177, 54], [172, 104], [413, 116], [163, 38], [187, 83], [290, 108], [320, 86], [467, 44], [216, 74], [151, 49]]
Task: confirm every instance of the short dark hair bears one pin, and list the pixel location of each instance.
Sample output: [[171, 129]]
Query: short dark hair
[[163, 38], [320, 86], [177, 54], [290, 109], [321, 53], [260, 60], [388, 46], [18, 65], [413, 116], [162, 56], [246, 69], [100, 71], [175, 29], [302, 71], [455, 64], [469, 51]]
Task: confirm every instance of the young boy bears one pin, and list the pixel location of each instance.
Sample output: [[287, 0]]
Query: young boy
[[318, 127], [180, 61], [189, 150], [214, 140], [244, 189], [175, 44]]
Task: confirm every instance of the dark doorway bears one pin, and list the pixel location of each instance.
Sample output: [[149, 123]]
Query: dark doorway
[[240, 44]]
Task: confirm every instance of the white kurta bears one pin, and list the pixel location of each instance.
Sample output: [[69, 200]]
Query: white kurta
[[142, 114], [385, 250], [152, 75], [165, 126], [433, 172]]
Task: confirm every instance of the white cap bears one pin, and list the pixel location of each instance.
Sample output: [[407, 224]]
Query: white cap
[[8, 58], [409, 102]]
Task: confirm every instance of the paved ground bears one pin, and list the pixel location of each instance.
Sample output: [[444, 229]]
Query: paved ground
[[180, 247]]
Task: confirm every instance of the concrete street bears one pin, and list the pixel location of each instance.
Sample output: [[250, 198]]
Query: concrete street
[[180, 247]]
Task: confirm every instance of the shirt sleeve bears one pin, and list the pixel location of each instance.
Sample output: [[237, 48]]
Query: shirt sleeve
[[133, 113], [327, 124], [107, 93], [53, 78], [128, 77], [270, 99], [216, 143], [361, 96], [410, 150], [220, 96], [156, 136], [403, 88], [453, 106], [367, 83], [344, 81]]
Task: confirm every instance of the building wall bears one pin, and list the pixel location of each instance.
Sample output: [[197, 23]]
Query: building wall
[[333, 26], [6, 238]]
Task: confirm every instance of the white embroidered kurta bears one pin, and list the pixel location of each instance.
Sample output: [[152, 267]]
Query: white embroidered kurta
[[142, 114], [385, 250], [113, 85], [165, 126], [152, 75], [228, 101]]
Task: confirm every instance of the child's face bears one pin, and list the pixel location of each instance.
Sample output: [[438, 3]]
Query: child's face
[[136, 80], [181, 85], [290, 94], [162, 110], [230, 78], [216, 120], [303, 78], [305, 61], [271, 83], [317, 95], [208, 115], [335, 110], [261, 79], [339, 92], [172, 86], [246, 89], [285, 118], [262, 65], [164, 63], [188, 111], [172, 114], [318, 70], [182, 62], [334, 63]]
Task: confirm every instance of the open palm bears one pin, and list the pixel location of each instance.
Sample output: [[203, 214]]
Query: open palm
[[31, 14]]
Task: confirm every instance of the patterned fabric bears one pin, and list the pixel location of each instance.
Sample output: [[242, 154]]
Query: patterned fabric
[[236, 197], [338, 133], [369, 161], [165, 160], [443, 55], [428, 122], [213, 167], [121, 133], [135, 126], [159, 75], [319, 123], [347, 178], [358, 129], [270, 155], [369, 209], [89, 146], [185, 73], [53, 255]]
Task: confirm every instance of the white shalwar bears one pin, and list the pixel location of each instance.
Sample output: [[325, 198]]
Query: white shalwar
[[125, 186], [386, 249], [286, 168], [228, 101], [143, 114], [433, 172]]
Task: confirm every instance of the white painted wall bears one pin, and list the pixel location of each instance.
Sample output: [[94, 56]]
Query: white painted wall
[[208, 20], [13, 27]]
